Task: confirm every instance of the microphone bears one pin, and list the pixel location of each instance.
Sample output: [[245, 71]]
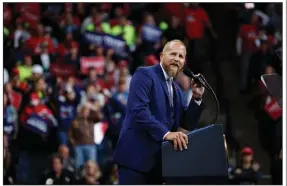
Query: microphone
[[198, 78]]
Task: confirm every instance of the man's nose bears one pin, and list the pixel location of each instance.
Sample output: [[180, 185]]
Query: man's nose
[[176, 58]]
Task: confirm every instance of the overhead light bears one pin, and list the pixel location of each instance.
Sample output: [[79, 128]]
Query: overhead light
[[249, 5]]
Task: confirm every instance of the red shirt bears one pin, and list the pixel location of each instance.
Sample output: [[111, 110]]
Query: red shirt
[[248, 33], [34, 44], [196, 20], [30, 12], [15, 99], [114, 22], [7, 16], [64, 49], [27, 7], [175, 9]]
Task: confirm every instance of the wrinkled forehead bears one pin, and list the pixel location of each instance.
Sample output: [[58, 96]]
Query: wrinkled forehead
[[175, 47]]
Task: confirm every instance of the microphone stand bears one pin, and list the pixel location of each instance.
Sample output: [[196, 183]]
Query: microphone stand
[[204, 83]]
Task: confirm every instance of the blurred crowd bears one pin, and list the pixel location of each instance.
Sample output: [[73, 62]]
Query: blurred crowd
[[67, 68], [259, 42]]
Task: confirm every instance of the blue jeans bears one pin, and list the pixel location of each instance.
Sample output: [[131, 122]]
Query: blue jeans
[[83, 153], [63, 138]]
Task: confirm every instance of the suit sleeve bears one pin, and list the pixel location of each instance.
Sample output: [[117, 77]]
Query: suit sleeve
[[138, 105], [190, 114]]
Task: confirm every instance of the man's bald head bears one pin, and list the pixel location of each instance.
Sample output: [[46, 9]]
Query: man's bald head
[[172, 42]]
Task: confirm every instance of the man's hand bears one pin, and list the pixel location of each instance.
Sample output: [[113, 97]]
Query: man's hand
[[197, 90], [179, 139]]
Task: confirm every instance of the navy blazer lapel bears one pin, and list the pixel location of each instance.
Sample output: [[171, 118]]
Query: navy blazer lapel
[[162, 79]]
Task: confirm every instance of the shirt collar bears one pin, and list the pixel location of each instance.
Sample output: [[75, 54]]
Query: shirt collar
[[164, 73]]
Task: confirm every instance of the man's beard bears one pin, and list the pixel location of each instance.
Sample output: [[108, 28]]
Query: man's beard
[[172, 70]]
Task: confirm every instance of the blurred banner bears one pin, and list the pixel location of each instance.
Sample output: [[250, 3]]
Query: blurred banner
[[62, 70], [38, 124], [151, 33], [107, 41], [92, 62]]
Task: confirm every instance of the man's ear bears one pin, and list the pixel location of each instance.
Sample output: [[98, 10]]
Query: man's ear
[[161, 56]]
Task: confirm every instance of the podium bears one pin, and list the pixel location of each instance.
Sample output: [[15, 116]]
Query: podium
[[204, 162]]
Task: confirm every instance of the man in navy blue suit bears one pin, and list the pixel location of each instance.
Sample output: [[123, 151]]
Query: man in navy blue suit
[[154, 111]]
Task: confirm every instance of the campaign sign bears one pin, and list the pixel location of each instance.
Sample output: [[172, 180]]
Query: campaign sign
[[150, 33], [107, 41], [92, 62], [37, 124]]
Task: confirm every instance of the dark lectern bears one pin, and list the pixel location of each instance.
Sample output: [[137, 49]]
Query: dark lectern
[[204, 162]]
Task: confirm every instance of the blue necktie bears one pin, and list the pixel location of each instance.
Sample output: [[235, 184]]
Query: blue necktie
[[170, 93]]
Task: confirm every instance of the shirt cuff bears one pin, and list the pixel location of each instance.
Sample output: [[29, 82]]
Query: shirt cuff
[[165, 135]]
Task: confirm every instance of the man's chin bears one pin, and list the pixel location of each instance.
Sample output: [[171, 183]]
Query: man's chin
[[172, 73]]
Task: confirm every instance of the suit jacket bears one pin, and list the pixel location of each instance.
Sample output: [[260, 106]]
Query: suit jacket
[[148, 119]]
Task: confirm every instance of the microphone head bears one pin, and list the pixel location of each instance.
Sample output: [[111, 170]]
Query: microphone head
[[187, 71]]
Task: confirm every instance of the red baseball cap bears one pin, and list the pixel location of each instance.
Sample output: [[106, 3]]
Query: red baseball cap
[[34, 96], [247, 151]]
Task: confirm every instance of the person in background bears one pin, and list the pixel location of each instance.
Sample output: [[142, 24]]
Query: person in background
[[25, 69], [81, 135], [245, 46], [68, 162], [67, 110], [276, 169], [36, 119], [68, 24], [37, 73], [175, 31], [93, 97], [64, 48], [93, 78], [10, 118], [73, 57], [184, 83], [114, 113], [35, 140], [16, 84], [149, 34], [259, 61], [114, 177], [126, 30], [40, 88], [196, 20], [44, 58], [57, 174], [9, 176], [123, 72], [121, 94], [247, 172], [21, 34], [90, 174]]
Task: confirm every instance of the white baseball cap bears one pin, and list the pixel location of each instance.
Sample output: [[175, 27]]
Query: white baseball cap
[[37, 69]]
